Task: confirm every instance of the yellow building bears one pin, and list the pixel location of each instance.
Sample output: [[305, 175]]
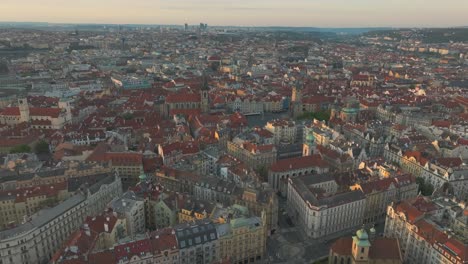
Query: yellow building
[[252, 154], [192, 210], [242, 240], [18, 205], [262, 202], [413, 162]]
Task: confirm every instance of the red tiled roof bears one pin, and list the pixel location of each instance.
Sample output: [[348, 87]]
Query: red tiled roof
[[415, 208], [183, 97], [450, 162], [184, 147], [23, 194], [317, 99], [298, 163], [124, 159], [107, 256], [342, 246], [384, 249], [430, 233], [185, 112], [41, 122], [163, 240], [417, 156], [131, 249], [460, 249], [379, 185], [52, 112], [441, 123], [381, 248], [260, 148], [98, 223], [11, 142], [11, 111]]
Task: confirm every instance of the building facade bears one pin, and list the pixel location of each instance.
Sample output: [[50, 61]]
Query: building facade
[[315, 205]]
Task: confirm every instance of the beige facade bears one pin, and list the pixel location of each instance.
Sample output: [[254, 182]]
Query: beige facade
[[253, 155], [242, 240], [379, 194], [37, 240], [424, 238], [263, 202], [283, 130]]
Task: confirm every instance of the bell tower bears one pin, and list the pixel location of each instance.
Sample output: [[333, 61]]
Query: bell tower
[[204, 94], [361, 246], [24, 109], [309, 147], [296, 99], [64, 104]]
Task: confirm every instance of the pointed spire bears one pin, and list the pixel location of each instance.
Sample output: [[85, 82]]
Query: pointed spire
[[205, 85]]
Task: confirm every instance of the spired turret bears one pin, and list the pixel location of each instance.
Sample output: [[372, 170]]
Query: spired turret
[[204, 93]]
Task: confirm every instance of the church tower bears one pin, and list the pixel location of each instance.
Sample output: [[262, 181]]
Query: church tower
[[204, 94], [24, 109], [64, 104], [361, 246], [309, 147], [296, 100]]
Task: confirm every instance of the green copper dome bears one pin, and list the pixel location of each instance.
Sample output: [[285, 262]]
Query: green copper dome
[[350, 110], [142, 177], [310, 138], [362, 238], [362, 234]]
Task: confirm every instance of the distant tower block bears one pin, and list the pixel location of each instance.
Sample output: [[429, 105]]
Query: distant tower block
[[123, 42]]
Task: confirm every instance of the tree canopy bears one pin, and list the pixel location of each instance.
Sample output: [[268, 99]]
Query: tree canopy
[[425, 188], [21, 149], [321, 115], [41, 147]]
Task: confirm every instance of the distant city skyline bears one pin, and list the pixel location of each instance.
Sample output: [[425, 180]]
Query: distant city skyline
[[308, 13]]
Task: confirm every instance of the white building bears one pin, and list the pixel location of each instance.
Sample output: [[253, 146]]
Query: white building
[[38, 239], [315, 205], [423, 230], [133, 209], [284, 131], [38, 117]]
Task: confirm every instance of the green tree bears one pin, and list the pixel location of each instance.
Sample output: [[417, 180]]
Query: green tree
[[41, 147], [321, 115], [127, 116], [425, 188], [21, 149], [263, 172]]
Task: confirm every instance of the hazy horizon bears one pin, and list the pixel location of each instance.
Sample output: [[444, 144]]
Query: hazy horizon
[[258, 13]]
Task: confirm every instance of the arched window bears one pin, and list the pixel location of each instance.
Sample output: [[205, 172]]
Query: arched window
[[349, 260], [335, 260]]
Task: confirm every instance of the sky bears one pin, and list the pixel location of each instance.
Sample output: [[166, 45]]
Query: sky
[[309, 13]]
